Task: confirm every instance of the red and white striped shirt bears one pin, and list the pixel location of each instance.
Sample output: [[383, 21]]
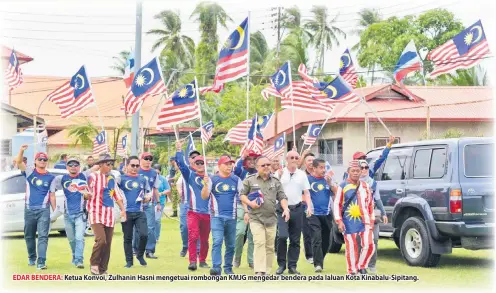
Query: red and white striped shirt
[[101, 205]]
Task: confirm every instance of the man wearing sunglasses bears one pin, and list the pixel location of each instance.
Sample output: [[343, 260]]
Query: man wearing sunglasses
[[198, 216], [223, 190], [75, 188], [244, 167], [100, 206], [151, 175], [262, 216], [295, 183], [137, 193], [37, 211]]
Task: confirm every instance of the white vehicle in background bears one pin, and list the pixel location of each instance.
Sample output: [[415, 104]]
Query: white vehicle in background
[[12, 202]]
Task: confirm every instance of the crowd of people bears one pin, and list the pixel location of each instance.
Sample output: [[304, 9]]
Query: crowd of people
[[253, 199]]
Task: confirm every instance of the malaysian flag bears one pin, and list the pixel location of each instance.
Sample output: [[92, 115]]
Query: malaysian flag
[[100, 144], [238, 134], [465, 50], [339, 91], [13, 73], [147, 82], [255, 138], [281, 80], [74, 95], [268, 152], [122, 147], [181, 107], [313, 132], [279, 145], [129, 70], [206, 89], [207, 130], [347, 70], [233, 58], [303, 99]]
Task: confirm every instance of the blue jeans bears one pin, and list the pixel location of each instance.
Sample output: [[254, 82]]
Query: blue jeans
[[37, 221], [74, 228], [183, 226], [223, 229], [158, 224], [149, 209]]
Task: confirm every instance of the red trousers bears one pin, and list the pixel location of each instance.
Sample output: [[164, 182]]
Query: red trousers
[[198, 227], [355, 261]]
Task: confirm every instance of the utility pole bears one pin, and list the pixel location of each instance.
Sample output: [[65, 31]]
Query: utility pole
[[278, 48], [137, 64]]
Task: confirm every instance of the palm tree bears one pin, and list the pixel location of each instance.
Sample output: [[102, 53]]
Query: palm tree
[[117, 135], [367, 16], [294, 48], [475, 76], [324, 33], [120, 62], [83, 134], [259, 51], [209, 15], [171, 41]]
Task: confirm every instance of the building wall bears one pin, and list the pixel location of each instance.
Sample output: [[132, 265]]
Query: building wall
[[9, 126]]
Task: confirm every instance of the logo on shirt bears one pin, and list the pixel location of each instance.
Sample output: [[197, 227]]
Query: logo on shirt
[[353, 212], [37, 182], [220, 188], [199, 181]]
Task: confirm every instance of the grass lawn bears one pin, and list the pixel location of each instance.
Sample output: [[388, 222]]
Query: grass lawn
[[463, 269]]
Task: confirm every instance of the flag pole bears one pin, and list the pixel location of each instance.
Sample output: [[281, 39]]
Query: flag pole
[[247, 77], [166, 95], [362, 99], [201, 123], [292, 105], [324, 124], [175, 132]]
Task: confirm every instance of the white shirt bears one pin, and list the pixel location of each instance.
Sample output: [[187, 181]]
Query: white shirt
[[294, 185]]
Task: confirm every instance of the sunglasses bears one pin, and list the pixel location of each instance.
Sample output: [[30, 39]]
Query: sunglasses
[[364, 167], [134, 165], [148, 159], [199, 163], [109, 163], [264, 165], [294, 158], [43, 160], [73, 165]]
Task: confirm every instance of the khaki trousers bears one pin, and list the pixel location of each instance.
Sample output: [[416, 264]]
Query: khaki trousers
[[263, 240]]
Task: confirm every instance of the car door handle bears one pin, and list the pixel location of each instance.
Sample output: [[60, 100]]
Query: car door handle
[[399, 191]]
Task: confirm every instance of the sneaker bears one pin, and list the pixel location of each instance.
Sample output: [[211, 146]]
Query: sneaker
[[151, 255], [214, 272], [293, 271], [373, 270], [363, 272], [128, 265], [41, 266], [183, 252], [318, 269], [31, 262], [310, 260], [142, 261], [80, 265], [204, 265], [236, 264], [251, 266], [192, 266]]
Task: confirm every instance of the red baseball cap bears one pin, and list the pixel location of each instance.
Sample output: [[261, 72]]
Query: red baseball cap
[[146, 154], [253, 154], [225, 160], [41, 155], [358, 155]]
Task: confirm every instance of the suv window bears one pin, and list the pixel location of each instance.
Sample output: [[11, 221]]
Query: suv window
[[396, 165], [478, 160], [430, 163], [13, 185]]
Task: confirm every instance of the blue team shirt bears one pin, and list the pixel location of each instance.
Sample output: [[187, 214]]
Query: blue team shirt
[[193, 185], [37, 188], [133, 187], [151, 175], [224, 193], [321, 195], [74, 200]]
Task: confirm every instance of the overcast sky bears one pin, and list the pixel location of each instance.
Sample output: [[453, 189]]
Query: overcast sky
[[63, 35]]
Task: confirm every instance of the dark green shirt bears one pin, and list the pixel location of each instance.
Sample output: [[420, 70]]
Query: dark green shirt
[[271, 190]]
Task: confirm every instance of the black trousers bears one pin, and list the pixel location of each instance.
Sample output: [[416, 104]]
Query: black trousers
[[307, 238], [134, 220], [292, 230], [321, 231]]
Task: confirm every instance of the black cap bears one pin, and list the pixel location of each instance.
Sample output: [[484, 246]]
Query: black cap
[[194, 152]]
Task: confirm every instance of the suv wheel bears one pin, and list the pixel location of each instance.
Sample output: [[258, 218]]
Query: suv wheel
[[415, 245], [334, 246]]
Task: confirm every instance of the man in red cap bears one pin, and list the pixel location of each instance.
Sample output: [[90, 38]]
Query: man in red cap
[[152, 176], [373, 167], [223, 190], [354, 213], [245, 166], [198, 216], [37, 211]]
